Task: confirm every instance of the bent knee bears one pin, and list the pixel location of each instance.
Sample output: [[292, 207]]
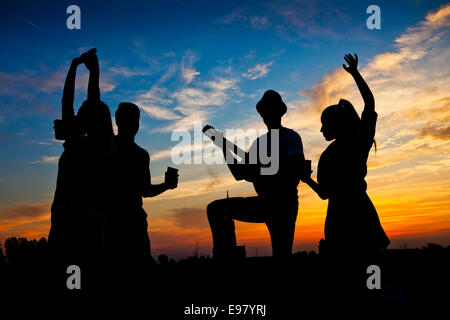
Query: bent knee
[[212, 208], [216, 209]]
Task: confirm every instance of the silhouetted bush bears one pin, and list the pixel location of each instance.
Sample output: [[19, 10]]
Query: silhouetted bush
[[163, 259], [19, 250]]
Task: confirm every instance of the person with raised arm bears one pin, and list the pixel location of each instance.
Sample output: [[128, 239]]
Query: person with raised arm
[[352, 223], [83, 181]]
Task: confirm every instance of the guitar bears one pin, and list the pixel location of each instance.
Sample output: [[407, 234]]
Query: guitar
[[215, 135], [239, 156]]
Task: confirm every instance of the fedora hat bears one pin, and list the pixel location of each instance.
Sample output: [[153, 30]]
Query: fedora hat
[[271, 103]]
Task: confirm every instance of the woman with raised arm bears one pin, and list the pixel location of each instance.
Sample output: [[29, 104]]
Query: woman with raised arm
[[81, 195], [352, 222]]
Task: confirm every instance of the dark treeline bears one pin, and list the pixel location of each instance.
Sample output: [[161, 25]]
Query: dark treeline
[[20, 249]]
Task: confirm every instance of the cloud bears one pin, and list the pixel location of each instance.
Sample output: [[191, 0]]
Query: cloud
[[167, 153], [195, 103], [201, 186], [157, 112], [156, 102], [190, 218], [213, 95], [415, 43], [246, 15], [47, 159], [170, 54], [24, 211], [189, 103], [309, 19], [295, 20], [31, 220], [236, 15], [436, 130], [258, 71], [187, 70], [258, 22], [127, 72]]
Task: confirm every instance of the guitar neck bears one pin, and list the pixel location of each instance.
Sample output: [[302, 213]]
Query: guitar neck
[[213, 134]]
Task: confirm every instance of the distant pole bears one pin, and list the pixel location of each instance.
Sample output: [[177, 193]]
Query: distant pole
[[228, 195], [256, 251], [196, 249]]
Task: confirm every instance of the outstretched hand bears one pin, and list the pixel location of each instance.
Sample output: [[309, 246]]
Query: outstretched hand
[[352, 63]]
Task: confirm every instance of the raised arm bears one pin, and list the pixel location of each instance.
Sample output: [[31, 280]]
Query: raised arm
[[69, 91], [91, 61], [352, 68]]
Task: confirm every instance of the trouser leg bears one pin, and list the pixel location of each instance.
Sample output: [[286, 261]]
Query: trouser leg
[[222, 229], [282, 236], [254, 210]]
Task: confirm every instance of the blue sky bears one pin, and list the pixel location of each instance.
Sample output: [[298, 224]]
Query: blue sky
[[161, 53]]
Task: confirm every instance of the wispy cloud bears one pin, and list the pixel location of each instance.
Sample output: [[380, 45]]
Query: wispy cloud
[[258, 71], [25, 219], [247, 16], [200, 186], [259, 22], [156, 101], [24, 210], [47, 159], [157, 112], [187, 70], [127, 72], [195, 103], [293, 20], [236, 15], [190, 218]]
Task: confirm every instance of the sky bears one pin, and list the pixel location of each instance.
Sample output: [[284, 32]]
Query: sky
[[211, 61]]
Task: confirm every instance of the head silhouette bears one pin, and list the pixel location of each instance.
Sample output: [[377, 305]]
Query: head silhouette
[[127, 120], [339, 120], [95, 121], [271, 108]]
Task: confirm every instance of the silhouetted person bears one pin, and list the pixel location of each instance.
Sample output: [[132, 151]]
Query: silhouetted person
[[127, 229], [83, 185], [277, 202], [352, 222]]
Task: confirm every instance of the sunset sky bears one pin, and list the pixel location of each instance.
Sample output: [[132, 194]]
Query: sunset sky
[[211, 61]]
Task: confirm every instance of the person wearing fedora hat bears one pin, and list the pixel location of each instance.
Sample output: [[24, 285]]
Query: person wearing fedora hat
[[276, 203]]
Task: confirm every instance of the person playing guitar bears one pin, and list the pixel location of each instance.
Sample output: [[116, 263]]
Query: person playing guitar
[[276, 203]]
